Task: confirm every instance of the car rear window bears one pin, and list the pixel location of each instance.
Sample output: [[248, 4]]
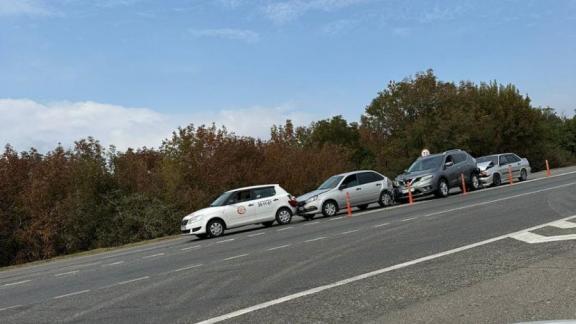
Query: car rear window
[[265, 192]]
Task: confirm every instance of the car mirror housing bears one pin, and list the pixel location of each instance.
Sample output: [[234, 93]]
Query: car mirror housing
[[341, 187], [448, 164]]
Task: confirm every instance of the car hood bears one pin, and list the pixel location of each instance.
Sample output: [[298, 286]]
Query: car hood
[[205, 211], [311, 194], [483, 166], [412, 175]]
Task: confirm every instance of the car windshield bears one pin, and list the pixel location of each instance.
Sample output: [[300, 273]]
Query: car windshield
[[427, 163], [332, 182], [220, 201], [489, 158]]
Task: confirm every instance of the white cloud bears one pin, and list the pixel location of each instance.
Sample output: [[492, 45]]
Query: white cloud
[[27, 123], [339, 27], [282, 12], [227, 33], [23, 8]]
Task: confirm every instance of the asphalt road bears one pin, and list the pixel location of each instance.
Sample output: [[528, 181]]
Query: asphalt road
[[495, 255]]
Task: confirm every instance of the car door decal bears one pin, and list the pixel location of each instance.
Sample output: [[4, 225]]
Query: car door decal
[[265, 203]]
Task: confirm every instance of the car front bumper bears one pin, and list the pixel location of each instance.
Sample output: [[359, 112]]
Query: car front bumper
[[416, 189], [487, 179], [310, 208], [193, 228]]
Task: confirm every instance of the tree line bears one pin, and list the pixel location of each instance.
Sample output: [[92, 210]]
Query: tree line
[[88, 196]]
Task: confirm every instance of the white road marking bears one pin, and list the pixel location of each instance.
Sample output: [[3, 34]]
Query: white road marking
[[563, 224], [532, 238], [408, 219], [380, 225], [153, 255], [113, 263], [10, 307], [279, 247], [15, 283], [336, 218], [236, 257], [348, 232], [188, 268], [315, 239], [125, 282], [66, 273], [224, 241], [190, 247], [363, 276], [284, 228], [256, 234], [311, 223], [72, 294], [498, 200]]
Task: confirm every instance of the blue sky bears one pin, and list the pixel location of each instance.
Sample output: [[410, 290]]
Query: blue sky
[[67, 66]]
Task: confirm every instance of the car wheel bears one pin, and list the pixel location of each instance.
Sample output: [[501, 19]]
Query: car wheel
[[523, 175], [215, 228], [329, 208], [283, 216], [363, 207], [496, 180], [443, 188], [385, 199], [474, 182], [268, 224]]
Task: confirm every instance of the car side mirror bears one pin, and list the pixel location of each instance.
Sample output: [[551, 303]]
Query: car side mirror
[[448, 164], [342, 186]]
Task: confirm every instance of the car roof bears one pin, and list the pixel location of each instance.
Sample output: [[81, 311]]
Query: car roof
[[254, 187], [354, 172]]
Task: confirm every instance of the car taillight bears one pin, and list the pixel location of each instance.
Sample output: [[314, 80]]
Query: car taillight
[[292, 201]]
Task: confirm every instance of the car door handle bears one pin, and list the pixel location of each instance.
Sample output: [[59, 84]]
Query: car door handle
[[378, 184], [276, 199], [250, 205], [358, 189]]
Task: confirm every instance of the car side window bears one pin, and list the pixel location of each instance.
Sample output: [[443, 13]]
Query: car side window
[[265, 192], [512, 158], [503, 160], [350, 181], [449, 158], [459, 157], [240, 196], [368, 177]]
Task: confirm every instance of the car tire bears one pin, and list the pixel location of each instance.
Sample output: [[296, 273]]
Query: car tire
[[283, 216], [215, 228], [496, 180], [474, 182], [385, 200], [268, 224], [329, 208], [443, 188], [363, 207], [523, 175]]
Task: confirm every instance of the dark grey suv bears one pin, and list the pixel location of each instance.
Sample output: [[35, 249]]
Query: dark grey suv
[[437, 173]]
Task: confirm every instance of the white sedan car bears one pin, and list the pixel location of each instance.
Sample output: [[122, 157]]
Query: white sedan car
[[262, 204]]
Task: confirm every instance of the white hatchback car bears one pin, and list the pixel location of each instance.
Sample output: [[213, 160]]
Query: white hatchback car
[[262, 204]]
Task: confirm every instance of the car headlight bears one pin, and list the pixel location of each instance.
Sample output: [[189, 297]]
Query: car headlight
[[426, 178], [195, 218], [311, 199], [396, 183]]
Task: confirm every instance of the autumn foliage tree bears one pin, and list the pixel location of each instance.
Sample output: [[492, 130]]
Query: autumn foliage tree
[[85, 197]]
